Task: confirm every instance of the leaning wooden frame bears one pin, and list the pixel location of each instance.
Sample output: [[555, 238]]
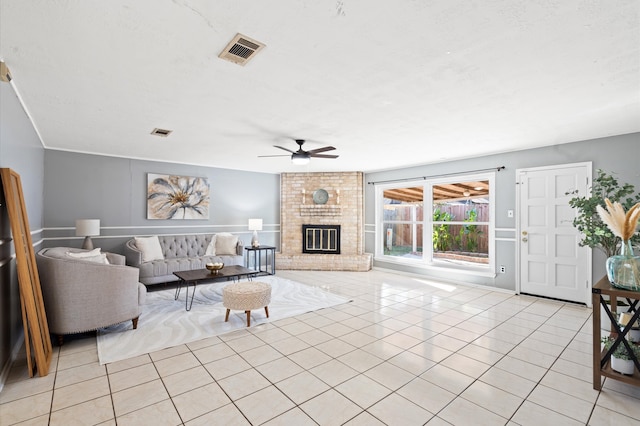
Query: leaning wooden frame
[[34, 319]]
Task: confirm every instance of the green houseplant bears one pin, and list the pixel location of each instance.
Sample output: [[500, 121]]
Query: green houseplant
[[595, 233], [621, 359]]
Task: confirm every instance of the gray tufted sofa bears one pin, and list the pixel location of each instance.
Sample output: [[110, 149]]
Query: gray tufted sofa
[[181, 253]]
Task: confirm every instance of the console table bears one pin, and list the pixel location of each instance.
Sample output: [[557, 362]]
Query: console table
[[264, 259], [602, 358]]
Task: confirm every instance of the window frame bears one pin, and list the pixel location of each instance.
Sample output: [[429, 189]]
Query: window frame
[[380, 222], [427, 261]]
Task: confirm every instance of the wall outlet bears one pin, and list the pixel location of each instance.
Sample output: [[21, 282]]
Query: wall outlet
[[509, 213], [503, 269]]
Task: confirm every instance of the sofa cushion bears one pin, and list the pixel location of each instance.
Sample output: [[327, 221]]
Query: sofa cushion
[[169, 266], [150, 248], [211, 248], [226, 244]]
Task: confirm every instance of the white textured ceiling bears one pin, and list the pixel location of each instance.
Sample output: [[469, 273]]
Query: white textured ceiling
[[388, 83]]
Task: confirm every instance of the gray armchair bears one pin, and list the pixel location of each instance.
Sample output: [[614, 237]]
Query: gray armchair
[[80, 295]]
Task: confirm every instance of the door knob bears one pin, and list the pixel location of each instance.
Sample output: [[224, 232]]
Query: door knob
[[524, 240], [524, 232]]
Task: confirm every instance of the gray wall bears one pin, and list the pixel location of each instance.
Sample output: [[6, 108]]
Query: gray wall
[[616, 154], [83, 186], [20, 150]]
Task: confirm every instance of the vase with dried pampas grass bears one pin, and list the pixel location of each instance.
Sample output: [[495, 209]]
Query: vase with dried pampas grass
[[623, 270]]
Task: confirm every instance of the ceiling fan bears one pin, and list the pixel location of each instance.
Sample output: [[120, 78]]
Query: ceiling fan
[[301, 156]]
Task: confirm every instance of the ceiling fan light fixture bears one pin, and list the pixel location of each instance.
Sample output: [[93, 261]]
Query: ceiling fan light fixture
[[300, 159]]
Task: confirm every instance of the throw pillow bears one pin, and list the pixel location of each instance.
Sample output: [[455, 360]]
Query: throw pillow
[[211, 248], [101, 258], [150, 248], [89, 256], [81, 254], [226, 244]]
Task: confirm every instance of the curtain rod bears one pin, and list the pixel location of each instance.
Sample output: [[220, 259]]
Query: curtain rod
[[497, 169]]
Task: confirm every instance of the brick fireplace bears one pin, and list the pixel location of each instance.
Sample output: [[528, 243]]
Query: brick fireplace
[[343, 207]]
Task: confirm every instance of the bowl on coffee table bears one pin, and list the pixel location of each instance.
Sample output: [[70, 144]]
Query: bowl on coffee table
[[214, 267]]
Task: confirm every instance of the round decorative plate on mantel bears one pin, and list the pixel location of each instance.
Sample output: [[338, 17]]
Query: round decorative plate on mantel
[[320, 196]]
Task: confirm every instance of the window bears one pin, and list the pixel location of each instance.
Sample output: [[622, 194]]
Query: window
[[437, 222], [403, 215], [460, 223]]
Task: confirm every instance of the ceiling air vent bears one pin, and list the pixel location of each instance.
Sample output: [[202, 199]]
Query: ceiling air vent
[[241, 49], [161, 132]]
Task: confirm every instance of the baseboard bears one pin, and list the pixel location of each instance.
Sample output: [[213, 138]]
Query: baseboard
[[444, 281], [6, 369]]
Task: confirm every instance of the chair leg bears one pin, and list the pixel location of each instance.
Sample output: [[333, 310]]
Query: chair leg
[[226, 317], [266, 311], [60, 339], [135, 322], [248, 318]]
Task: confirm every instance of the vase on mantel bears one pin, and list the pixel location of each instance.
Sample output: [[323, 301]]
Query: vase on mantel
[[623, 270]]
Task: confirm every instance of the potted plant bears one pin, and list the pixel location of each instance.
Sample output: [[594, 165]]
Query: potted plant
[[621, 359], [595, 233]]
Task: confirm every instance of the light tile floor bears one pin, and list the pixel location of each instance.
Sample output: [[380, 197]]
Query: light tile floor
[[405, 351]]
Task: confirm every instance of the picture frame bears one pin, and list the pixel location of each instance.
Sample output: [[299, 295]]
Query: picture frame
[[174, 197]]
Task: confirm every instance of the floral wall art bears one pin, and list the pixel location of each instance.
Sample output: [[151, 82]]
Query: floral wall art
[[177, 197]]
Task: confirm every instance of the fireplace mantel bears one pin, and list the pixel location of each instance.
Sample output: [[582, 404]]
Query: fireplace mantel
[[320, 210]]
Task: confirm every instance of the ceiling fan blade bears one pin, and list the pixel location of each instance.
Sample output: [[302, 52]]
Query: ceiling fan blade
[[322, 155], [286, 149], [283, 155], [318, 150]]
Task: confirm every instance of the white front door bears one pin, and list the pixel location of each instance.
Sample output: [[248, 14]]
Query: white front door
[[552, 264]]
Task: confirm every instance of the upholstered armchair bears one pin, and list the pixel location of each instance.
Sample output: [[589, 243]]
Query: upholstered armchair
[[83, 293]]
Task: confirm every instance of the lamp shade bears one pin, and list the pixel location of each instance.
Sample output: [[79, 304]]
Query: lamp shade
[[255, 224], [87, 227]]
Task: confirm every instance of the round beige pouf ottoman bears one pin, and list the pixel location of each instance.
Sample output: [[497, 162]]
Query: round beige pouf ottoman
[[246, 296]]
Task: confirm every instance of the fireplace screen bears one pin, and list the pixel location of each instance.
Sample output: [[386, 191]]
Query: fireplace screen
[[324, 239]]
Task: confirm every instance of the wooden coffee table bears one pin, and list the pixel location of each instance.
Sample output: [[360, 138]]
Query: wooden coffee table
[[198, 276]]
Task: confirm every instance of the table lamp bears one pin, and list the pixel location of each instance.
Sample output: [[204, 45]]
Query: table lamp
[[87, 228], [255, 225]]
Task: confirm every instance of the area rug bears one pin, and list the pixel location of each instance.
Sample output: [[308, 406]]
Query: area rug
[[164, 322]]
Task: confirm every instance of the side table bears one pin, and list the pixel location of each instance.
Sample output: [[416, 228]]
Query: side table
[[262, 259], [602, 358]]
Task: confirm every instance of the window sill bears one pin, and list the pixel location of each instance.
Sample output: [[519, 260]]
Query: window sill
[[485, 272]]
